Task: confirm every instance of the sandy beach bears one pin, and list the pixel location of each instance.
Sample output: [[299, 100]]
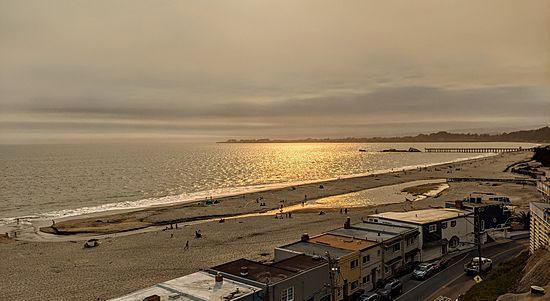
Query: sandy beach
[[136, 252]]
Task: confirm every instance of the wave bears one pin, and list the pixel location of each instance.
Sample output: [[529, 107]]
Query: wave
[[203, 195]]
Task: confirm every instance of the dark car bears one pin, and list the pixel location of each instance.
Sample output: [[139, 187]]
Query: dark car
[[392, 288], [370, 296], [407, 268], [440, 264], [355, 296], [423, 271]]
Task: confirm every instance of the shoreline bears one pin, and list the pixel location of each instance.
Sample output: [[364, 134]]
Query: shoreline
[[198, 196], [58, 266], [102, 223]]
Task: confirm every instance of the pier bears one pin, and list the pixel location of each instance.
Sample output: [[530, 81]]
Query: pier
[[476, 149]]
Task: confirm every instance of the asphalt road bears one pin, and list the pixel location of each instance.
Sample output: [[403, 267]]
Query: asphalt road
[[452, 281]]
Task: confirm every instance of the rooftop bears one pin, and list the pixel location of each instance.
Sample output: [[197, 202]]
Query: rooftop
[[258, 272], [316, 249], [343, 242], [196, 286], [300, 263], [383, 228], [424, 216]]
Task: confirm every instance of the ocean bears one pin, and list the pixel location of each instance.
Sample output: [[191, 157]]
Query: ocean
[[51, 181]]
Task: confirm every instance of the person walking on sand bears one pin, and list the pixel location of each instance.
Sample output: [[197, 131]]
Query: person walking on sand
[[346, 210], [186, 246]]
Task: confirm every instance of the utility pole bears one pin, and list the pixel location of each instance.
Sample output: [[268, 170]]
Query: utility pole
[[331, 277], [477, 230]]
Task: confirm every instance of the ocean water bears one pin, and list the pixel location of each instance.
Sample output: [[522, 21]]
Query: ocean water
[[60, 180]]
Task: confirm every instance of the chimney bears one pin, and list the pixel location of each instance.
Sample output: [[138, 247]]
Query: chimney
[[305, 237], [458, 204], [347, 224], [244, 271], [219, 278]]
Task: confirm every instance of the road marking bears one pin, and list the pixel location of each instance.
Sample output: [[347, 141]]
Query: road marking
[[454, 279], [424, 282]]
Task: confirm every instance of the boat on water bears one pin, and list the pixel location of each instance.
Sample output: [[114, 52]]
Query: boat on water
[[393, 150]]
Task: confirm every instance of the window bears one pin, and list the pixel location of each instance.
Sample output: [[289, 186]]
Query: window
[[453, 223], [444, 225], [396, 247], [366, 259], [354, 263], [288, 294], [378, 252], [366, 279], [482, 225], [354, 284], [410, 241], [432, 228]]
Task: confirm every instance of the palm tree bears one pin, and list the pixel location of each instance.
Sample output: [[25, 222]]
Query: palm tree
[[524, 218]]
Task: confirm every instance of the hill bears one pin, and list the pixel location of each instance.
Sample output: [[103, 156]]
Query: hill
[[541, 135]]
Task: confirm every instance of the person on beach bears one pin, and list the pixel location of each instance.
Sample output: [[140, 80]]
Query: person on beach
[[346, 211], [186, 246], [340, 210]]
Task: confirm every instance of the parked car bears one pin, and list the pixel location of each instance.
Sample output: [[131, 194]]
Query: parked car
[[407, 268], [473, 266], [355, 296], [370, 296], [392, 288], [424, 271], [440, 264]]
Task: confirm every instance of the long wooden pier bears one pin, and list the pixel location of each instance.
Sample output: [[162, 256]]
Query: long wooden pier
[[476, 149]]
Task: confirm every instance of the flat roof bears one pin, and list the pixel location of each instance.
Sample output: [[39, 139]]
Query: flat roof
[[300, 263], [316, 249], [258, 272], [363, 234], [424, 216], [383, 228], [343, 242], [193, 287]]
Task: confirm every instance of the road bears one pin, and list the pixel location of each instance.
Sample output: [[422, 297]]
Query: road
[[452, 281]]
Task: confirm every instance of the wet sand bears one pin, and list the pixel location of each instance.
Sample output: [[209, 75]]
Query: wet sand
[[123, 263]]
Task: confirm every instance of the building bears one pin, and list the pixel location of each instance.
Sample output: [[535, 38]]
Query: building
[[543, 186], [297, 277], [493, 214], [197, 286], [539, 235], [398, 245], [540, 217], [344, 254], [441, 230]]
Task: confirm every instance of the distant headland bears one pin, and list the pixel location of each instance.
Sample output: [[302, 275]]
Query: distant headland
[[541, 135]]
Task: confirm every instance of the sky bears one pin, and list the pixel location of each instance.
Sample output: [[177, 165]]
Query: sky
[[211, 70]]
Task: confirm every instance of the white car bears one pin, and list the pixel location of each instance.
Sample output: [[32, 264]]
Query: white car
[[473, 266]]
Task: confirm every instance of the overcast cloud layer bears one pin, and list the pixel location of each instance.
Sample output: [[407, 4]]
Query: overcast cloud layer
[[212, 70]]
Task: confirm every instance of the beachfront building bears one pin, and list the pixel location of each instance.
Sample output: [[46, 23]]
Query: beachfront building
[[493, 214], [298, 277], [197, 286], [345, 258], [398, 245], [539, 235], [441, 230], [543, 186]]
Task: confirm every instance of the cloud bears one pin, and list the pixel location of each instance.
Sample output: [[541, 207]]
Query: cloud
[[280, 68]]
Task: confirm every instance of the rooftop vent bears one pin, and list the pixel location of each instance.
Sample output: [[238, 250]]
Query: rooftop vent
[[219, 278], [244, 271], [347, 224], [305, 237]]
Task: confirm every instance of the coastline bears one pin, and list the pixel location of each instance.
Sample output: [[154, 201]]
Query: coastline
[[58, 267], [109, 222]]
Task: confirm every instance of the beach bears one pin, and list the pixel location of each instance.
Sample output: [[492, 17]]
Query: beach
[[136, 250]]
